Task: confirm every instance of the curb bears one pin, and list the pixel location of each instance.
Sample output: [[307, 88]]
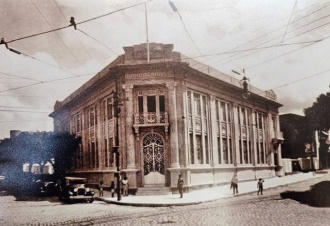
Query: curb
[[196, 202], [152, 204]]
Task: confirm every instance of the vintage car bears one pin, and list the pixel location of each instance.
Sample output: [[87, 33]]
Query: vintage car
[[74, 189], [45, 185]]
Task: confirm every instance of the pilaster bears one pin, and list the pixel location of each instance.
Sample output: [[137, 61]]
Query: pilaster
[[254, 137], [173, 118], [99, 143], [236, 136], [214, 138], [130, 149], [269, 140]]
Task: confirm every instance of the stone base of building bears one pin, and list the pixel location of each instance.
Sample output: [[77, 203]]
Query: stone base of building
[[195, 178]]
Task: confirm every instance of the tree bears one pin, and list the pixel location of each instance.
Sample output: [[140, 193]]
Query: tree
[[318, 115], [38, 147], [318, 118]]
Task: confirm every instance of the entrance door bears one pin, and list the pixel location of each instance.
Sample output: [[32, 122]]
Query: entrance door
[[153, 159]]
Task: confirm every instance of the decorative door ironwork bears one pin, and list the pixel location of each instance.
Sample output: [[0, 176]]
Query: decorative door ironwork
[[153, 154]]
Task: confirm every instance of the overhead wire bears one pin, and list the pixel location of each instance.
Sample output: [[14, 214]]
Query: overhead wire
[[247, 50], [54, 32], [97, 41], [82, 22], [58, 7], [1, 106], [185, 28], [25, 120], [18, 76], [278, 37], [75, 76], [45, 62], [301, 79], [289, 20], [38, 112], [268, 60], [26, 96], [53, 80], [274, 30]]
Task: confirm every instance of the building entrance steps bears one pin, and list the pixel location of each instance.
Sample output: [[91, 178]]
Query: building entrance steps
[[153, 190], [210, 194]]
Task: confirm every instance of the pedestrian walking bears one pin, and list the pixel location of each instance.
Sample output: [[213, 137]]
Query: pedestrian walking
[[124, 182], [101, 188], [180, 185], [112, 188], [260, 186], [234, 184]]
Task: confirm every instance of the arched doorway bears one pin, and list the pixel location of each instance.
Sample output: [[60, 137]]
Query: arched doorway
[[153, 159]]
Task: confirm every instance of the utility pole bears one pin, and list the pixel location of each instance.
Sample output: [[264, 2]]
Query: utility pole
[[146, 17], [312, 162], [116, 147]]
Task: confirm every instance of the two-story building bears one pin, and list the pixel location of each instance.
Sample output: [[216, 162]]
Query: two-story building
[[177, 116]]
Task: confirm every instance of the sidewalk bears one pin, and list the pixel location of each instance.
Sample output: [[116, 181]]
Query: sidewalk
[[206, 195]]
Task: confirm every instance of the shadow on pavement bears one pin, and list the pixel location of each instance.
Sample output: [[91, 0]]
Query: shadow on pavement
[[317, 196]]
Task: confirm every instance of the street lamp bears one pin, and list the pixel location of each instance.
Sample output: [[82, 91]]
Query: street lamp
[[115, 149], [245, 85]]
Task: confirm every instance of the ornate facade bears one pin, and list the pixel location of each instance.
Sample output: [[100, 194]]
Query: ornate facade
[[174, 119]]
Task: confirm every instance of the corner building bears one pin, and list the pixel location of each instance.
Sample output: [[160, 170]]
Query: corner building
[[177, 116]]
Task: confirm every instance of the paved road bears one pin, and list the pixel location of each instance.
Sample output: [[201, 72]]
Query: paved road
[[268, 209]]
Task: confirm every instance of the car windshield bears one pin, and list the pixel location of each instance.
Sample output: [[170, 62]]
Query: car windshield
[[77, 182]]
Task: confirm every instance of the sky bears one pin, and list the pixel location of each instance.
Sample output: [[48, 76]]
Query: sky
[[283, 44]]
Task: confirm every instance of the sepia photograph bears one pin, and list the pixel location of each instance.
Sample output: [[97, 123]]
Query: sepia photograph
[[164, 112]]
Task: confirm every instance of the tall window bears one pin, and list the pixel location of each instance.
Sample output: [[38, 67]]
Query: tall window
[[106, 153], [151, 102], [91, 118], [245, 135], [197, 104], [92, 162], [162, 103], [140, 100], [111, 154], [109, 109], [76, 123], [198, 128], [223, 132], [261, 137]]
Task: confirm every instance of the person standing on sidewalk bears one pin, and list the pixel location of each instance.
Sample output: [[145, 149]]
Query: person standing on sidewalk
[[125, 186], [234, 184], [260, 186], [112, 189], [101, 188], [180, 185]]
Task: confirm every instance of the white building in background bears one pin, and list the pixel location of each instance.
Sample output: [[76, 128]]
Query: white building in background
[[177, 116]]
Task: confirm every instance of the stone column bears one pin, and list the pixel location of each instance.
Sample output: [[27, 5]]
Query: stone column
[[236, 136], [129, 126], [254, 139], [99, 145], [271, 134], [173, 125], [214, 137]]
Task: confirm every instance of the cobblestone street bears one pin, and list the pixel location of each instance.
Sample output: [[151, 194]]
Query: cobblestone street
[[250, 209]]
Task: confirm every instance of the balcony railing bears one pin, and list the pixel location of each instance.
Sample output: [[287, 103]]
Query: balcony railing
[[150, 118]]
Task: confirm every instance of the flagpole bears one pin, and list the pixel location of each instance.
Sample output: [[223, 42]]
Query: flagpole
[[148, 53]]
